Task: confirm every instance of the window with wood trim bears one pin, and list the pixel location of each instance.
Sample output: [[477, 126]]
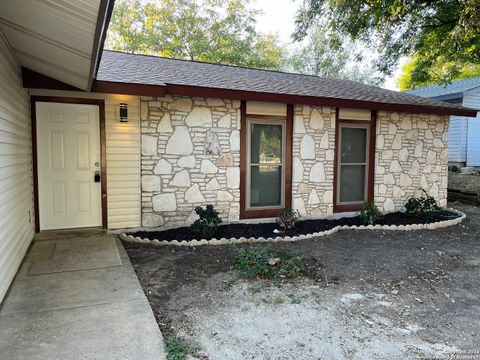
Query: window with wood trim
[[265, 164], [354, 163]]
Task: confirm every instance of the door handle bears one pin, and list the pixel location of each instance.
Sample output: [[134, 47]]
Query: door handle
[[96, 177]]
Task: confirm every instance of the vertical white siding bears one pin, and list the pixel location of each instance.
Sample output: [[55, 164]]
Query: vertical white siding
[[123, 156], [472, 99], [16, 196], [457, 139]]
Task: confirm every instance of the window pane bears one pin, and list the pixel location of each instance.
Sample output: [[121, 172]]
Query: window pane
[[354, 145], [266, 144], [265, 185], [352, 183]]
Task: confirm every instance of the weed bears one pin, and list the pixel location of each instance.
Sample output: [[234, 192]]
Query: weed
[[178, 349], [255, 261], [254, 290], [370, 214], [294, 299]]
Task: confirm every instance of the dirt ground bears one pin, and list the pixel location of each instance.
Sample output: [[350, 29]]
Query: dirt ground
[[368, 295]]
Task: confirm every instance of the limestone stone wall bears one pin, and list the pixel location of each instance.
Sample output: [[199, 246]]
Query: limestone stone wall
[[411, 154], [313, 160], [190, 157]]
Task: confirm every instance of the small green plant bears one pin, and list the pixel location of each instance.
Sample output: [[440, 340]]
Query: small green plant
[[287, 219], [207, 223], [425, 207], [177, 349], [370, 214], [257, 261]]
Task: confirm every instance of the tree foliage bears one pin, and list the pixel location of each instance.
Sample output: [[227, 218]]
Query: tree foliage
[[220, 31], [442, 34], [406, 81], [331, 56]]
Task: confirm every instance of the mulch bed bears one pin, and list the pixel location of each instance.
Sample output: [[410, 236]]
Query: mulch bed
[[301, 227]]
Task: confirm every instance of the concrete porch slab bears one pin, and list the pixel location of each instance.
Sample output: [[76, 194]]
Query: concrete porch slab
[[89, 309]]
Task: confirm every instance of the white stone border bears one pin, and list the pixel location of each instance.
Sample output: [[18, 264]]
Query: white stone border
[[225, 241]]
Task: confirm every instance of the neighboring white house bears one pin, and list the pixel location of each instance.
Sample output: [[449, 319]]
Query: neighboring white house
[[464, 132]]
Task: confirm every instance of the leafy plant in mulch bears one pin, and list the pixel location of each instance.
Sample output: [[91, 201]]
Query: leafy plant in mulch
[[424, 207], [286, 221], [208, 221], [370, 214], [258, 262], [178, 349]]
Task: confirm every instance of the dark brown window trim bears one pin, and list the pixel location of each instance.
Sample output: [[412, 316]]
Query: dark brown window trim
[[265, 213], [371, 161], [103, 148]]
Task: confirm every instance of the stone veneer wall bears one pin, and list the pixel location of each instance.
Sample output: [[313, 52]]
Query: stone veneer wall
[[411, 154], [190, 157], [313, 159]]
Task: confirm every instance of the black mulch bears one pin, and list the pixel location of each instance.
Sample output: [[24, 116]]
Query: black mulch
[[301, 227]]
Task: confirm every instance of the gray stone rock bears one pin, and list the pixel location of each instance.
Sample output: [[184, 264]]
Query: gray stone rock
[[224, 195], [151, 220], [164, 202], [183, 104], [317, 173], [213, 185], [199, 116], [180, 142], [194, 195], [151, 183], [181, 179], [163, 167], [208, 167], [165, 125], [297, 170], [233, 177], [307, 147], [149, 145], [187, 162], [235, 140], [212, 145]]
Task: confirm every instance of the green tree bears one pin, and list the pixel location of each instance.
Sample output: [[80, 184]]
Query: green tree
[[435, 32], [407, 81], [220, 31], [331, 56]]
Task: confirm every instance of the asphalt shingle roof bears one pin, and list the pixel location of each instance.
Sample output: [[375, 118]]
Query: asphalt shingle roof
[[455, 87], [153, 70]]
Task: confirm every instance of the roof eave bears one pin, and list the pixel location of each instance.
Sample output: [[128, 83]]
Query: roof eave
[[103, 19]]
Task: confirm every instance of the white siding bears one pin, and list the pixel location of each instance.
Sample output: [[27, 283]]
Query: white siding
[[266, 108], [16, 196], [123, 157], [457, 139], [472, 99]]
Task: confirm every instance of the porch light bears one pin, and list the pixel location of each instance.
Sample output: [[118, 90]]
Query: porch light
[[123, 112]]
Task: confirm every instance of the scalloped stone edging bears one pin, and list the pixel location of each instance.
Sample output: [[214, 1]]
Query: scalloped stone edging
[[225, 241]]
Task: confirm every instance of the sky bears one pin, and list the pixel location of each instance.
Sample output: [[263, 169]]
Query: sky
[[278, 17]]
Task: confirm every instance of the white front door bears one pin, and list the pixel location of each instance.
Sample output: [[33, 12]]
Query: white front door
[[68, 156]]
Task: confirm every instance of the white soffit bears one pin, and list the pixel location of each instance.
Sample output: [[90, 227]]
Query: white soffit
[[53, 37]]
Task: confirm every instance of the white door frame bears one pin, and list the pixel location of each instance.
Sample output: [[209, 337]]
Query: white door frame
[[103, 168]]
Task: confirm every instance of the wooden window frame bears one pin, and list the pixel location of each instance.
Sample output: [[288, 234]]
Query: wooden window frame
[[372, 124], [252, 213]]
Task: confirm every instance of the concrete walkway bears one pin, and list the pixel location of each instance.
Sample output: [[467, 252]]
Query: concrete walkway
[[77, 297]]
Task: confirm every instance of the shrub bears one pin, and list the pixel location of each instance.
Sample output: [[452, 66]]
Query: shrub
[[207, 223], [425, 207], [370, 214], [287, 219], [256, 261]]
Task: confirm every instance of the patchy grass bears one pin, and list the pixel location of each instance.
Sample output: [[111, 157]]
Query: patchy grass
[[259, 262], [178, 349]]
